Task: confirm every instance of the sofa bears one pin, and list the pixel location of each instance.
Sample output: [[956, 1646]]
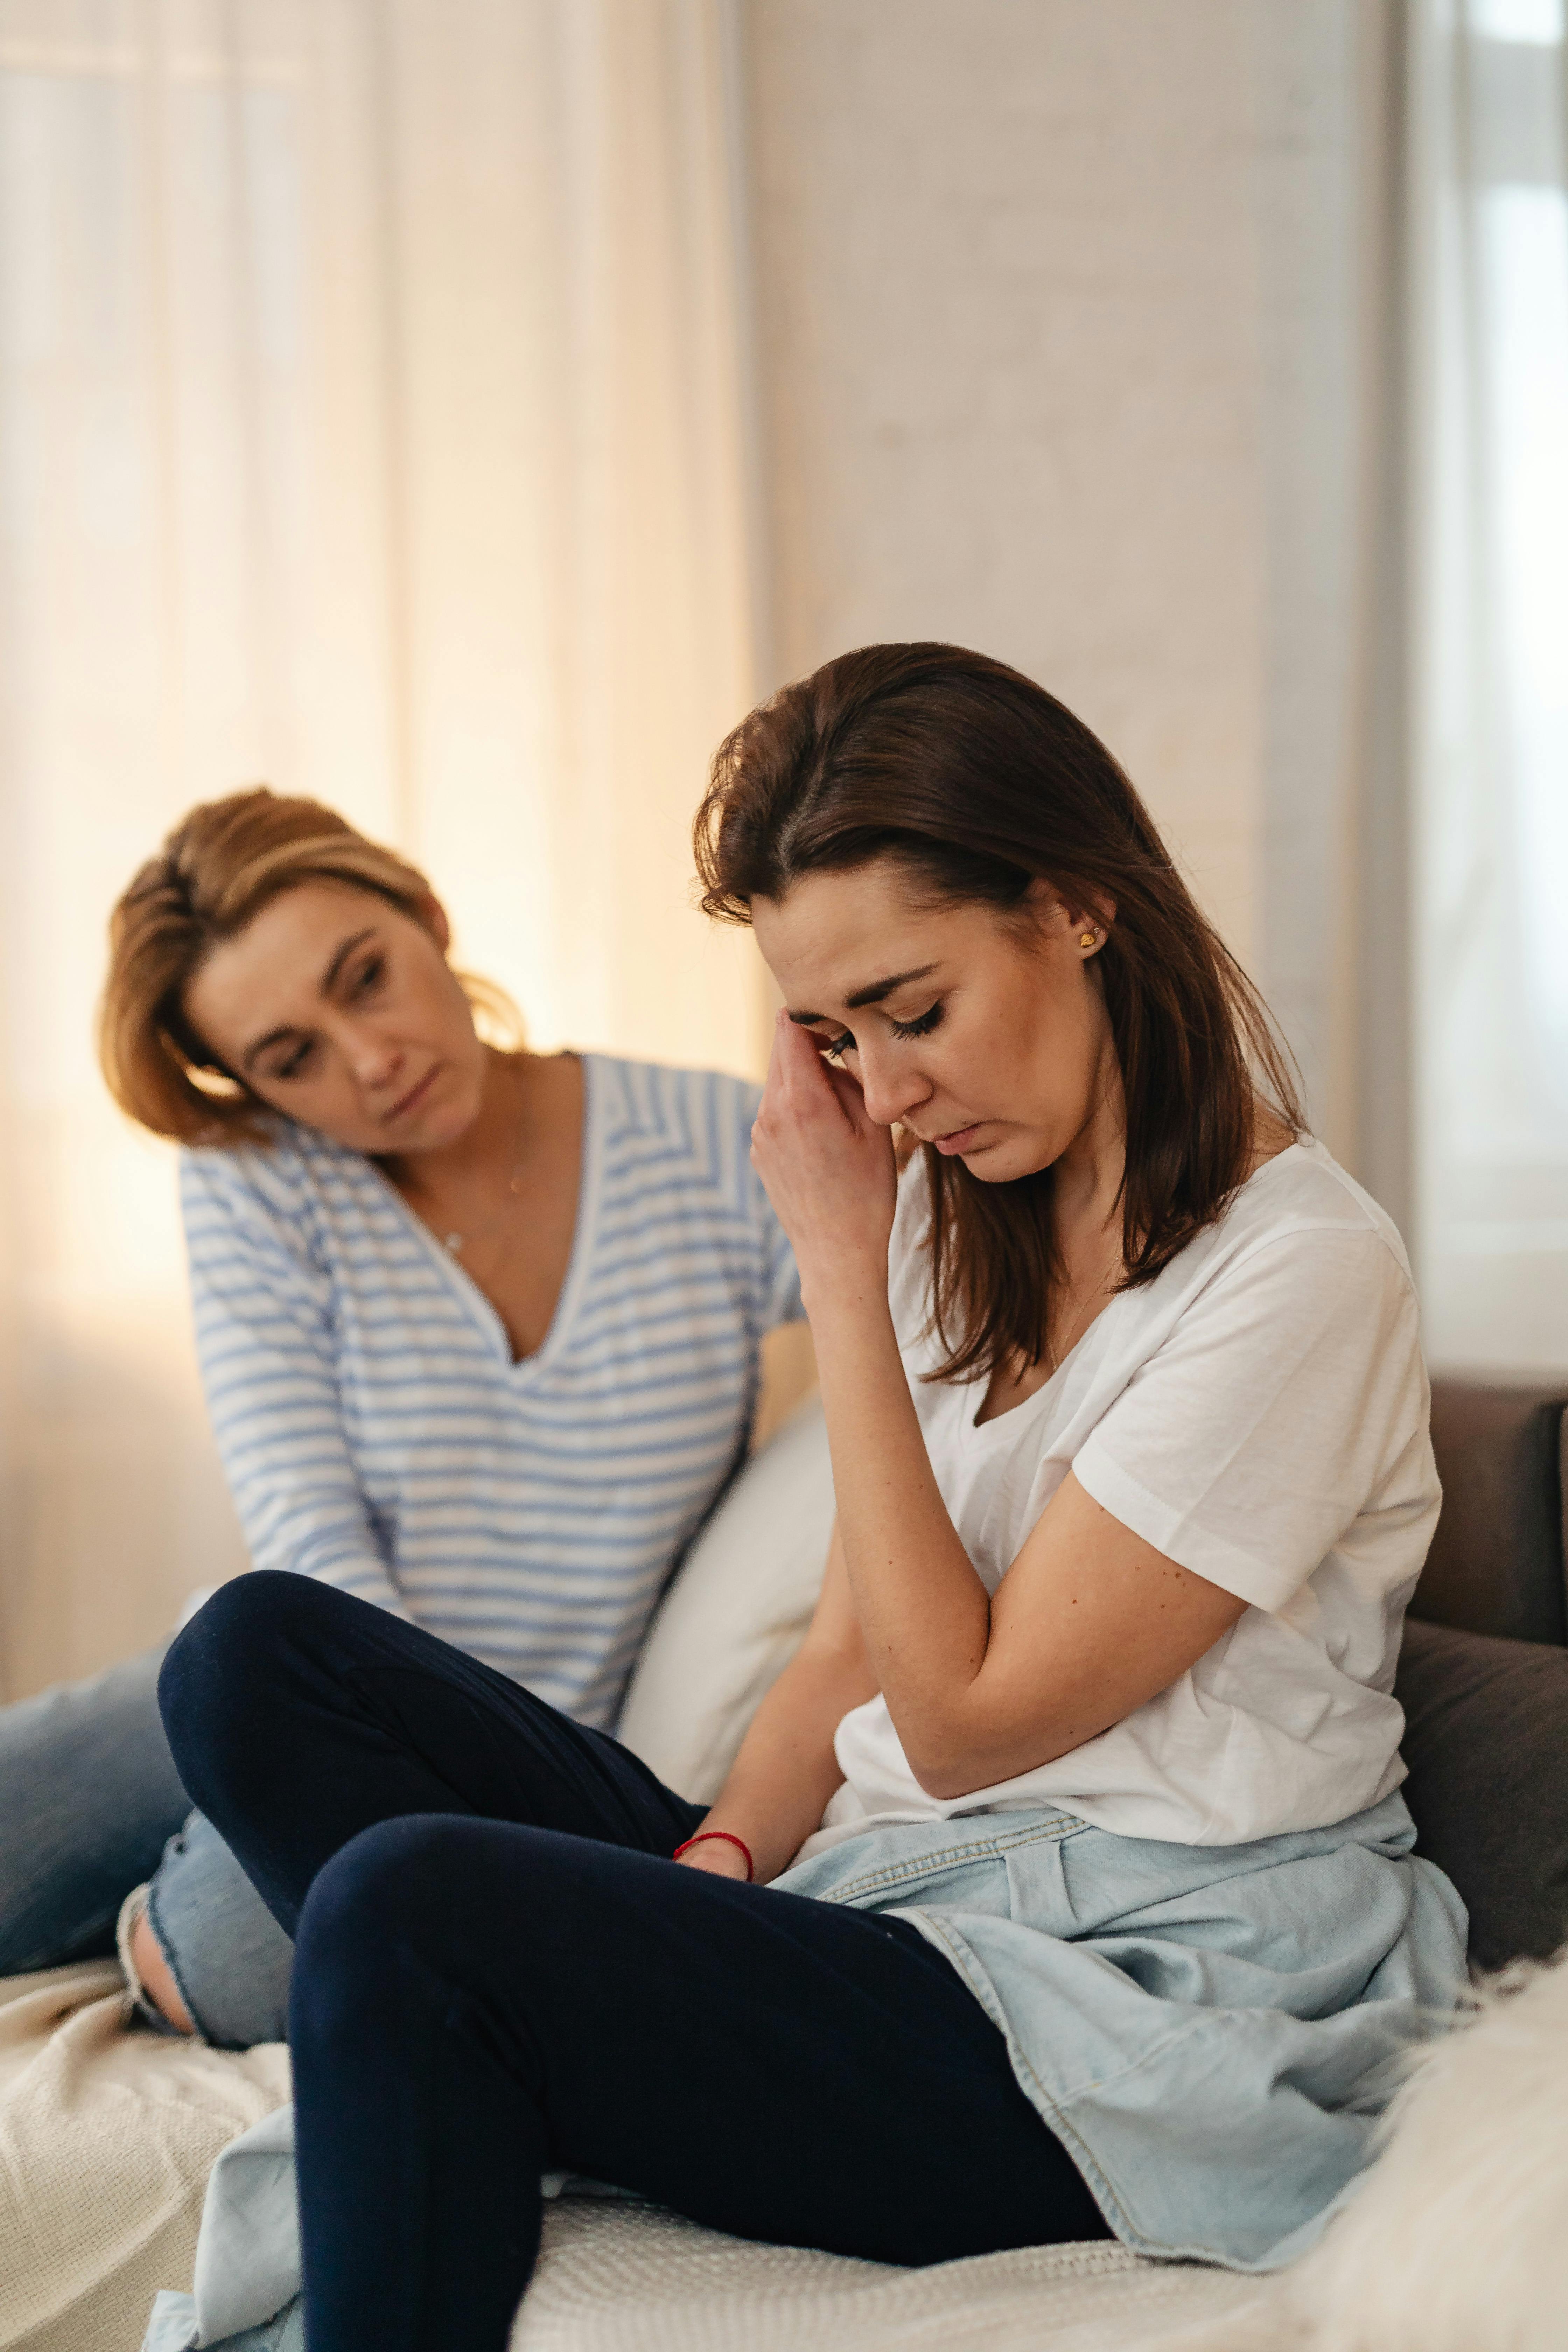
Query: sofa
[[108, 2134], [1483, 1675]]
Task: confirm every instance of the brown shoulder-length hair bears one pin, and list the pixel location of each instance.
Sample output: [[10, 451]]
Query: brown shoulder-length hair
[[980, 782], [221, 864]]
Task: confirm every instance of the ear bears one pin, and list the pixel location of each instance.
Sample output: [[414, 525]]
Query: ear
[[1074, 912]]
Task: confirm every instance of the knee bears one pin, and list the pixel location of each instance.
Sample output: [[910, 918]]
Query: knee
[[429, 1895], [369, 1875], [220, 1668], [384, 1881], [364, 1914]]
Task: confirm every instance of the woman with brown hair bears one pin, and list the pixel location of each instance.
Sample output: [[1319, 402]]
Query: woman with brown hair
[[479, 1329], [1062, 1885]]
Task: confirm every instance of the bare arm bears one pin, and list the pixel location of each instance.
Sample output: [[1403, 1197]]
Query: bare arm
[[1089, 1621], [787, 1772]]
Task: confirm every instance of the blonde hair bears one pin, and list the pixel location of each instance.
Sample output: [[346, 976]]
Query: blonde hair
[[221, 864]]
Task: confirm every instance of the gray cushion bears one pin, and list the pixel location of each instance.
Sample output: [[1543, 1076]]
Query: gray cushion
[[1496, 1565], [1487, 1744]]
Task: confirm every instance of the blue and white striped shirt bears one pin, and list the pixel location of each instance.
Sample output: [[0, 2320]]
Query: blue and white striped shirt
[[376, 1432]]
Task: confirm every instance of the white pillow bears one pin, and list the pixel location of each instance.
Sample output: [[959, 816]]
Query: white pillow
[[735, 1614]]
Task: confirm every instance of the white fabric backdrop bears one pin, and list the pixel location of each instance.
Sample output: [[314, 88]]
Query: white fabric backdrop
[[373, 422], [1491, 379]]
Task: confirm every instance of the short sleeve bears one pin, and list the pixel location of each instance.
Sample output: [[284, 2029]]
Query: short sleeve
[[1282, 1405]]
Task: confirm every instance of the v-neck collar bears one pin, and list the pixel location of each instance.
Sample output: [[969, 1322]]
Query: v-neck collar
[[522, 1368], [977, 1433]]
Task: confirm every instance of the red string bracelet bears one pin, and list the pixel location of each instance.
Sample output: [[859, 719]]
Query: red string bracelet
[[730, 1839]]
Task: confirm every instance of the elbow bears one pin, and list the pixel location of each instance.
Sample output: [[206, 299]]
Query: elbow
[[961, 1759], [948, 1769], [946, 1786], [948, 1748]]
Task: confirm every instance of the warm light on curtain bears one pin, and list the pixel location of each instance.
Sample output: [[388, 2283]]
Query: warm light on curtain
[[371, 422], [1490, 213]]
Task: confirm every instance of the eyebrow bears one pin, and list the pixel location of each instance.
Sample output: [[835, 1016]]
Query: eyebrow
[[872, 995], [329, 981]]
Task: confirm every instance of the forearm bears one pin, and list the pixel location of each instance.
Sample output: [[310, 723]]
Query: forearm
[[277, 1418], [1089, 1620], [786, 1770], [297, 1496], [923, 1613], [308, 1534]]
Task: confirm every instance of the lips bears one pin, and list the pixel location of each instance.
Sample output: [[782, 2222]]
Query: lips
[[414, 1095], [957, 1138]]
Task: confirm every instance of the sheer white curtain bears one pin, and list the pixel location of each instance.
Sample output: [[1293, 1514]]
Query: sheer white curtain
[[373, 422], [1490, 214]]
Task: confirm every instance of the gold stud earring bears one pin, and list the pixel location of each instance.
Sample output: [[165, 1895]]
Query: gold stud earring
[[1089, 939]]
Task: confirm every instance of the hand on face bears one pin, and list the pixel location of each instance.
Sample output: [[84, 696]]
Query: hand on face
[[828, 1167], [983, 1035]]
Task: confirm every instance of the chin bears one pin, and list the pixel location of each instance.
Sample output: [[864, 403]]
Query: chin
[[446, 1118], [444, 1127], [1004, 1163]]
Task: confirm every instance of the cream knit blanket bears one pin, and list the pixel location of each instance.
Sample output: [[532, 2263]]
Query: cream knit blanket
[[106, 2141], [628, 2278]]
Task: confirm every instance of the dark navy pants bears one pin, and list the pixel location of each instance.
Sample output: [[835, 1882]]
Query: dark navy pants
[[500, 1972]]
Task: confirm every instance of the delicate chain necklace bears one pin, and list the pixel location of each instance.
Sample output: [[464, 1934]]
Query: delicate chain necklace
[[457, 1241], [1053, 1359], [516, 1185]]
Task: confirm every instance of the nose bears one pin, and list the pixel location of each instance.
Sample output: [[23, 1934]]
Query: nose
[[374, 1059], [893, 1083]]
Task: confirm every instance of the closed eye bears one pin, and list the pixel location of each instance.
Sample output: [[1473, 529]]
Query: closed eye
[[921, 1028]]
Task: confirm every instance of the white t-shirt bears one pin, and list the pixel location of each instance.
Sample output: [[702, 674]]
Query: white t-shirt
[[1257, 1412]]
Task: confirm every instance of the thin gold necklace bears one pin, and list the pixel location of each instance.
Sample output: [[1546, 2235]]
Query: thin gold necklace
[[458, 1242], [1053, 1362]]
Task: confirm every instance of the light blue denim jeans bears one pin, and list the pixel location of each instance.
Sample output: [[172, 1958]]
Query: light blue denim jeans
[[1210, 2031], [90, 1806]]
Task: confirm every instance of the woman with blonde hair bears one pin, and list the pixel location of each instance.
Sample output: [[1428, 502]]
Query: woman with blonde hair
[[479, 1330]]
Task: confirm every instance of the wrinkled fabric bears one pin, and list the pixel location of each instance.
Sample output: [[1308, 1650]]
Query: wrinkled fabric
[[250, 2203], [248, 2254], [173, 2328], [1210, 2030]]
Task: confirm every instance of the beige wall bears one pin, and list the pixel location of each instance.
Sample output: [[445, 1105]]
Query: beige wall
[[1065, 321], [1062, 342]]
